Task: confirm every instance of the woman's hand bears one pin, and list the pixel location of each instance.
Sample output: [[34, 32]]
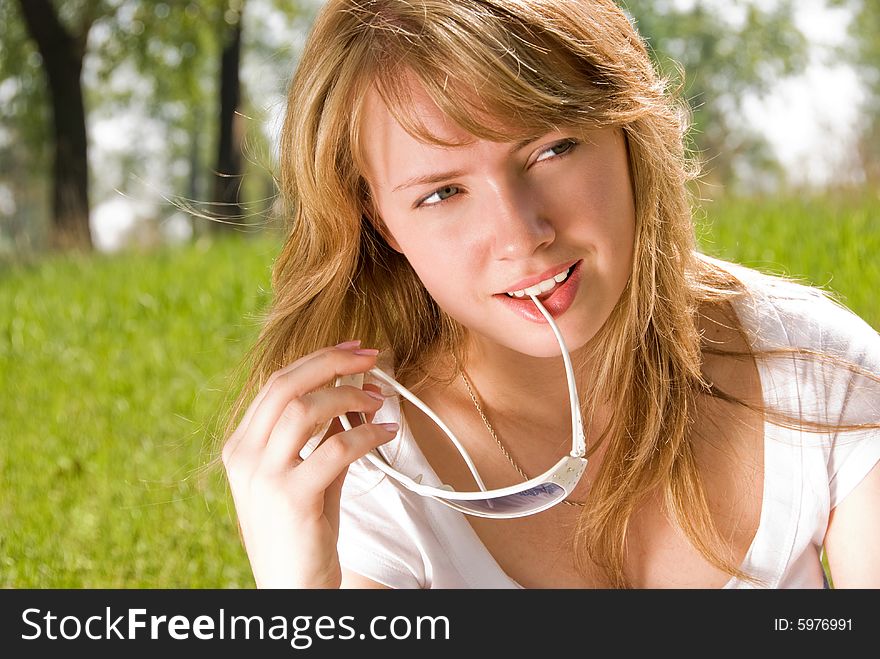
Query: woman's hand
[[288, 508]]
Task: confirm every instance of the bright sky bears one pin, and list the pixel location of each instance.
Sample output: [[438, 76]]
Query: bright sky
[[810, 119]]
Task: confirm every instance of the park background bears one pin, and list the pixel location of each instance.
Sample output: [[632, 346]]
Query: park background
[[137, 233]]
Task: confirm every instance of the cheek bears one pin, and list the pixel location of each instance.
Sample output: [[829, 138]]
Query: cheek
[[604, 215], [617, 259], [436, 255], [626, 229], [440, 262], [608, 196]]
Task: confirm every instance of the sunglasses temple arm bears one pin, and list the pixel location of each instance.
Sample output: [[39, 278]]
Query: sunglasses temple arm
[[578, 440], [406, 393]]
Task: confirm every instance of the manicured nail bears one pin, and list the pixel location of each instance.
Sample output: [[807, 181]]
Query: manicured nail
[[374, 394], [366, 351], [390, 427], [348, 345]]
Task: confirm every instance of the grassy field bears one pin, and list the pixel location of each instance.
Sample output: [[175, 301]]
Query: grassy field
[[113, 367], [111, 371], [829, 242]]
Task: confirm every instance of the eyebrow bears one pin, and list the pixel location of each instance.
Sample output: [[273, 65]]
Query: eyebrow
[[439, 177]]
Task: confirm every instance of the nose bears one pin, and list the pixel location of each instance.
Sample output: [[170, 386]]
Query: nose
[[517, 221]]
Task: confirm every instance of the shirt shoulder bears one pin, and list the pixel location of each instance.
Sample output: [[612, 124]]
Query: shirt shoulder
[[803, 316], [831, 375]]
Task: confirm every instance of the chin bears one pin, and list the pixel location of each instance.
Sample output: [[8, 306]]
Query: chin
[[541, 344], [547, 349]]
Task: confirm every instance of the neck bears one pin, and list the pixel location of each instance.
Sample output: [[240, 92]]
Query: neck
[[517, 389]]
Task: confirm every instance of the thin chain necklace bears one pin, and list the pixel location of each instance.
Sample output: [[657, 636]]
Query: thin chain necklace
[[579, 504]]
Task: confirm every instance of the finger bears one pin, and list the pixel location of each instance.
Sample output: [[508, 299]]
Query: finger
[[306, 416], [333, 427], [370, 416], [241, 429], [336, 453], [309, 375]]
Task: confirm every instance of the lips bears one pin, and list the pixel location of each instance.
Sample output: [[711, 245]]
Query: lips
[[535, 280], [556, 300], [545, 288]]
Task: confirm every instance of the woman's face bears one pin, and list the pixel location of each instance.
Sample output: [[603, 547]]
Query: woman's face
[[483, 220]]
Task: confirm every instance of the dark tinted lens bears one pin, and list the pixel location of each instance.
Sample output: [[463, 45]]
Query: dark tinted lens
[[525, 501], [355, 419]]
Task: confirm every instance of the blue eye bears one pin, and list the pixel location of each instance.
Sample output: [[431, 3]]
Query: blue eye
[[439, 196]]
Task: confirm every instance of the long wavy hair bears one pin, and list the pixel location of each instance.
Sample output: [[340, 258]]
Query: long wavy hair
[[529, 66]]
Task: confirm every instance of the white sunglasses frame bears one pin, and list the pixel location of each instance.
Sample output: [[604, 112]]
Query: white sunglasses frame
[[565, 474]]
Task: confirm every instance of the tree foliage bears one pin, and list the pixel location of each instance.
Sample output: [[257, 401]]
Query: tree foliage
[[725, 51], [162, 59], [156, 60], [864, 52]]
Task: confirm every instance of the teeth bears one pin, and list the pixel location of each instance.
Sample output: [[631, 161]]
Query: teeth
[[541, 287]]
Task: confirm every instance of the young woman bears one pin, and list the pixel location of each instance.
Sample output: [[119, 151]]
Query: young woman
[[465, 179]]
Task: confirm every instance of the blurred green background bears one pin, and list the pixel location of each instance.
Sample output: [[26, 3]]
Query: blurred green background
[[115, 370], [124, 309]]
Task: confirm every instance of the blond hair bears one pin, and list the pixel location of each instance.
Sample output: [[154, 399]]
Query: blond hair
[[530, 67]]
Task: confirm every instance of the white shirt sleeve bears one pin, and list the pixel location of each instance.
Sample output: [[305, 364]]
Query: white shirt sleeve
[[854, 452], [843, 396]]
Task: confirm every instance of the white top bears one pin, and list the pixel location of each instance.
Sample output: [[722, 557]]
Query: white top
[[404, 540]]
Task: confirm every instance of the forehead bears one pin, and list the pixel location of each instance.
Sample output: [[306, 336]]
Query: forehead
[[385, 144], [414, 106]]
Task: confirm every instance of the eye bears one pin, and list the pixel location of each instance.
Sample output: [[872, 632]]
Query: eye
[[558, 149], [439, 196]]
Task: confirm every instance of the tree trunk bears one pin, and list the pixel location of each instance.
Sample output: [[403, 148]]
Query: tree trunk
[[228, 175], [62, 55]]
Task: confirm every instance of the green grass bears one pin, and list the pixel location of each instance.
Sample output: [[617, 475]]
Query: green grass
[[112, 368], [831, 242]]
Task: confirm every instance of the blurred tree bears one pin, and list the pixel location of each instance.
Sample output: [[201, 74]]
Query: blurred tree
[[169, 54], [193, 57], [227, 176], [23, 153], [165, 61], [726, 50], [62, 50], [864, 52]]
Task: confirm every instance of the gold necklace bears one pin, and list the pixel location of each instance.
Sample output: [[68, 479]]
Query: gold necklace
[[506, 453]]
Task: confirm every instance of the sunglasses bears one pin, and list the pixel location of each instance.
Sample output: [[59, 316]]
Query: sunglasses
[[533, 496]]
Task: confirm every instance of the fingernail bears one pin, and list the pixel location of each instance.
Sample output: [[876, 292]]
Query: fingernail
[[366, 351], [347, 345], [390, 427], [374, 394]]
